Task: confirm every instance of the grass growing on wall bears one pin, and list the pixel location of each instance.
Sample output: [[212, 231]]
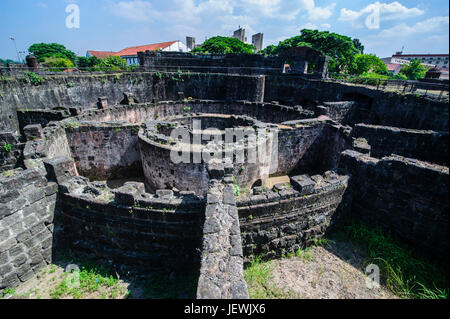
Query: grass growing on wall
[[405, 274]]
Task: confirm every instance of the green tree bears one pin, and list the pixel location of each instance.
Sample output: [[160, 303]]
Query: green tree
[[51, 50], [84, 62], [223, 45], [111, 63], [339, 48], [358, 45], [363, 63], [269, 50], [5, 62], [62, 63], [414, 70]]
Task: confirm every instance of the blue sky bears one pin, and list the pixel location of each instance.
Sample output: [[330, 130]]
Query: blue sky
[[420, 26]]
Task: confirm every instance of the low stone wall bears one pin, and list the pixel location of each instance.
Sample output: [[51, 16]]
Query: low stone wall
[[374, 106], [211, 63], [429, 146], [221, 271], [107, 150], [27, 203], [311, 146], [279, 221], [10, 150], [40, 116], [129, 226], [143, 112], [342, 112], [407, 197], [82, 91]]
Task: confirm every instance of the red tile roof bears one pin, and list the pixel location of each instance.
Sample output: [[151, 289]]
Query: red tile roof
[[101, 54], [142, 48], [132, 51], [394, 67]]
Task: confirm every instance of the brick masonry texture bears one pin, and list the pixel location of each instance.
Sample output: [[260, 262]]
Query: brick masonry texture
[[407, 197], [27, 205], [221, 270], [292, 216], [429, 146]]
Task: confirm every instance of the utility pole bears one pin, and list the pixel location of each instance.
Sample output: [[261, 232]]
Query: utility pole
[[15, 46]]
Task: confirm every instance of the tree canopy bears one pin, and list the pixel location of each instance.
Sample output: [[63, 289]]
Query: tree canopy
[[341, 49], [414, 70], [5, 62], [51, 50], [223, 45], [111, 63], [363, 63], [358, 45], [84, 62], [63, 63]]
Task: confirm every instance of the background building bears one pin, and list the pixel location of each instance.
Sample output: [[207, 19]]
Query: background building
[[130, 53], [257, 41], [439, 60], [240, 34], [190, 43]]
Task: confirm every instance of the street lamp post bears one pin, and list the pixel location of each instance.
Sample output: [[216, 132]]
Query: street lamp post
[[15, 46]]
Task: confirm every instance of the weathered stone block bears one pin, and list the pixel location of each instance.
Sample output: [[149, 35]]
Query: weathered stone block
[[164, 193], [10, 280], [303, 183], [60, 169], [33, 132], [129, 192]]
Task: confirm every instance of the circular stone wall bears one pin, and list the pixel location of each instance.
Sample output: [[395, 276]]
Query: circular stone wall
[[174, 153]]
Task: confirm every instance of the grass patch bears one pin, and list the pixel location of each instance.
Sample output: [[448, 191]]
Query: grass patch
[[258, 275], [92, 278], [7, 291], [405, 274], [305, 254]]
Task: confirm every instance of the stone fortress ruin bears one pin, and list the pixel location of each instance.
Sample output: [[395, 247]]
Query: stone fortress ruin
[[86, 165]]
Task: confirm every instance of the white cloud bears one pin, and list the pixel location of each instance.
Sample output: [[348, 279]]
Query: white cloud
[[388, 11], [182, 10], [312, 26], [318, 13], [285, 9], [308, 25], [435, 24], [136, 10]]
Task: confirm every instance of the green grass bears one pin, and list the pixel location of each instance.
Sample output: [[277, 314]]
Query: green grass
[[305, 254], [7, 291], [93, 277], [405, 274], [258, 275]]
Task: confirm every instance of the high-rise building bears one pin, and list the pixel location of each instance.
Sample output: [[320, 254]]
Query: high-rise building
[[240, 34], [257, 41], [190, 43]]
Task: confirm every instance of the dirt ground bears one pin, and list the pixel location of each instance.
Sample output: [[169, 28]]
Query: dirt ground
[[331, 272]]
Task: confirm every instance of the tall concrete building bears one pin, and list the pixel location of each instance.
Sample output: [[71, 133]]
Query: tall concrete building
[[240, 34], [257, 41], [190, 43]]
